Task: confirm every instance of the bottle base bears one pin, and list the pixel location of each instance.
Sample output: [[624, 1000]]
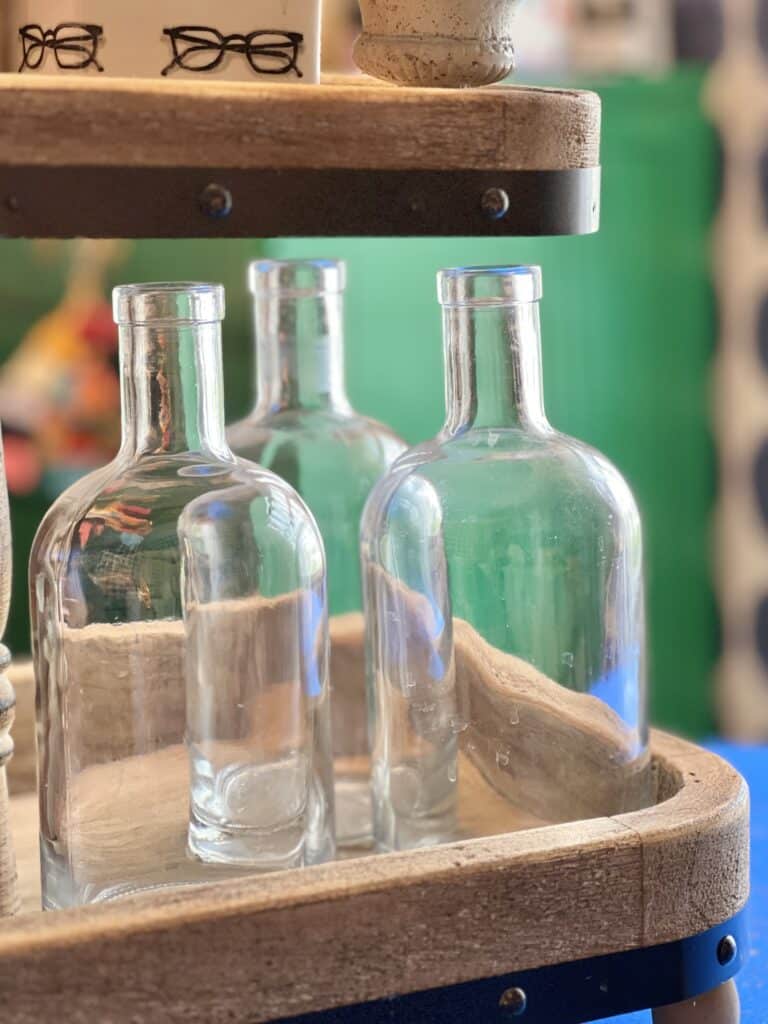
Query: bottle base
[[410, 836], [394, 832], [249, 849], [186, 869], [60, 892]]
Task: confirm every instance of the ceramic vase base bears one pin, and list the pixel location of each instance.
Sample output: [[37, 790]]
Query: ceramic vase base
[[440, 62]]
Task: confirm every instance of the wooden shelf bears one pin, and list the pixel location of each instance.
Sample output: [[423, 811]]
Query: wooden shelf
[[133, 158], [264, 948]]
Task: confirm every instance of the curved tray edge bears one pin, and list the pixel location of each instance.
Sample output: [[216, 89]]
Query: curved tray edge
[[358, 931], [572, 993], [695, 844]]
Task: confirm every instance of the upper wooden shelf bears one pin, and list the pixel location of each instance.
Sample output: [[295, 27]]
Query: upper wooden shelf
[[134, 158]]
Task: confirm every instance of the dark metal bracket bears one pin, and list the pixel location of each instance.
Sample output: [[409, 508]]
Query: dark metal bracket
[[178, 202], [572, 993]]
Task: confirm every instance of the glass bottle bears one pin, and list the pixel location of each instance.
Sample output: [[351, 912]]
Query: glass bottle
[[304, 428], [108, 636], [504, 600], [258, 721]]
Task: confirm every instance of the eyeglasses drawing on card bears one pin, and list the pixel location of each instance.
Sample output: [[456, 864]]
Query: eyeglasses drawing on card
[[74, 45], [198, 48]]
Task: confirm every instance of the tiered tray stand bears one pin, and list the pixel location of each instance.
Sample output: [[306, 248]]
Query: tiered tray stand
[[560, 924], [128, 159]]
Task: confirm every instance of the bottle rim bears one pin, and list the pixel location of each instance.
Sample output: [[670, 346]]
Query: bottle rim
[[489, 286], [296, 279], [157, 302]]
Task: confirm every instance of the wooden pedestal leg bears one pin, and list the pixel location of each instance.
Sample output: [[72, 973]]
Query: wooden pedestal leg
[[9, 900], [720, 1006]]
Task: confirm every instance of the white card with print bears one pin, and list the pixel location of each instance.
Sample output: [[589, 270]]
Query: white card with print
[[236, 40]]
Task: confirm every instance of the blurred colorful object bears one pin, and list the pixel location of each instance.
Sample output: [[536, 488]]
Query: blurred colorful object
[[60, 390]]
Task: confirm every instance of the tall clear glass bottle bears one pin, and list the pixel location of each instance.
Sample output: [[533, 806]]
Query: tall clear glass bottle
[[108, 634], [505, 610], [304, 428]]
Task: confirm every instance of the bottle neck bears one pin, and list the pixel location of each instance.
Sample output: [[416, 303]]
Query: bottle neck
[[493, 367], [300, 353], [172, 389]]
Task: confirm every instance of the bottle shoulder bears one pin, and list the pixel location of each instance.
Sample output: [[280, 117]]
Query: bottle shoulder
[[136, 497], [70, 507], [502, 470], [478, 447], [310, 433]]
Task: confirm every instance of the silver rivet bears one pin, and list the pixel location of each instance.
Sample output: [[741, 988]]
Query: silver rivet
[[514, 1002], [495, 203], [216, 201], [727, 949], [12, 203]]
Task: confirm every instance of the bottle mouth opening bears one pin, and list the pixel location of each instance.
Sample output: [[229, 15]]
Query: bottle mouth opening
[[297, 279], [489, 286], [168, 302]]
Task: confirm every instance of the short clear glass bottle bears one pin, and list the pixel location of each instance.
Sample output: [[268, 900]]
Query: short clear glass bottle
[[258, 715], [505, 608], [304, 428], [108, 635]]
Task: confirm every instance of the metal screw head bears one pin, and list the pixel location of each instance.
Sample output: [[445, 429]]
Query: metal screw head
[[495, 203], [727, 949], [514, 1002], [216, 201]]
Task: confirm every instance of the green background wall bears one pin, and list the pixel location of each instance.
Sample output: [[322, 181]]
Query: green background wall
[[629, 326]]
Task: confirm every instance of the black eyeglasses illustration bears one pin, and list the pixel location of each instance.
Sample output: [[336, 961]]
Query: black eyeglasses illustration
[[197, 48], [74, 45]]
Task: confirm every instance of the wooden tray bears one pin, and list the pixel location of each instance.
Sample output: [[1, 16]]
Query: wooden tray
[[364, 930], [561, 923], [133, 159]]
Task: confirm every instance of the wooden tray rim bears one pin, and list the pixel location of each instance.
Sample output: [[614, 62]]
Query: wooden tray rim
[[357, 930]]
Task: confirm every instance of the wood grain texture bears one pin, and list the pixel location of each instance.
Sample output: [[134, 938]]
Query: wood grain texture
[[554, 754], [22, 768], [532, 752], [9, 898], [260, 948], [546, 755], [684, 867], [549, 750], [481, 811], [48, 121], [24, 818], [9, 894]]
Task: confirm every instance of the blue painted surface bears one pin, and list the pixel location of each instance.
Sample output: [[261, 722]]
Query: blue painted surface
[[752, 762], [574, 992], [570, 993]]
